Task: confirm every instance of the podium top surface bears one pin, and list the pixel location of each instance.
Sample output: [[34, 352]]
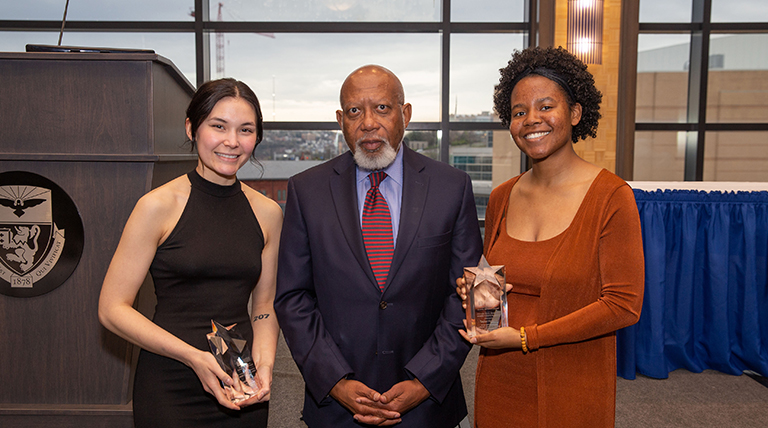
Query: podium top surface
[[86, 56], [31, 47]]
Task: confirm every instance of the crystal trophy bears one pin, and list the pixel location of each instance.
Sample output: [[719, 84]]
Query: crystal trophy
[[486, 298], [234, 357]]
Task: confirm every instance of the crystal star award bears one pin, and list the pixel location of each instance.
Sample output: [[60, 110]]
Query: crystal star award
[[486, 298], [232, 353]]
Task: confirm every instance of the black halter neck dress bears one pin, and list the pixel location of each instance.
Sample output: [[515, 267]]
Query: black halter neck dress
[[205, 270]]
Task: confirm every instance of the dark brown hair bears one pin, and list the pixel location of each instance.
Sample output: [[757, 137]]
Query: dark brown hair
[[560, 66], [211, 92]]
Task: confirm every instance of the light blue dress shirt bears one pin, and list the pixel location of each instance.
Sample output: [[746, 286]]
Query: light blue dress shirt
[[391, 188]]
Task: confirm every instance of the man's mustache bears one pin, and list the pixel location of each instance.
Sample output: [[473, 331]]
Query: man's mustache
[[365, 139]]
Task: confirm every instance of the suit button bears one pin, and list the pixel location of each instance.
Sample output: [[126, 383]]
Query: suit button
[[383, 305]]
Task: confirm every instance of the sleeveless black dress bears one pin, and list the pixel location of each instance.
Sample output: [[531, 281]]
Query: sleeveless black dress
[[205, 270]]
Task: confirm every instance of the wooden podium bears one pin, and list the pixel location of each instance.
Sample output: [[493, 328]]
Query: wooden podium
[[106, 128]]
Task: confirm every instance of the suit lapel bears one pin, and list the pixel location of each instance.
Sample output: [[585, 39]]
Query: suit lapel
[[415, 186], [344, 194]]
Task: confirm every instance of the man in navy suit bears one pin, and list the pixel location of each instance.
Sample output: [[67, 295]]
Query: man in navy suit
[[377, 353]]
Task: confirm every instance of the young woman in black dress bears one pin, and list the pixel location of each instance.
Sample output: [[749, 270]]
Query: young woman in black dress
[[210, 245]]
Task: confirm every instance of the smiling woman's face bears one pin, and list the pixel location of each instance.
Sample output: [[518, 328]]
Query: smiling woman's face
[[542, 119], [225, 140]]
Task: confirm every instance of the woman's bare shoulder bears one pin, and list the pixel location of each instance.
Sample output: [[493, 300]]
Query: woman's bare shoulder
[[160, 209]]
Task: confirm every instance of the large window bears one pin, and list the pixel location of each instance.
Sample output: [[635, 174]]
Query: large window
[[701, 66], [295, 54], [702, 86]]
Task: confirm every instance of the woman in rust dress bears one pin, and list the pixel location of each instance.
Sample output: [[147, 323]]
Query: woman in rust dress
[[569, 235]]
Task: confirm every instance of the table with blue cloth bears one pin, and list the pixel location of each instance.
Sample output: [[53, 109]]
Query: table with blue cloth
[[706, 288]]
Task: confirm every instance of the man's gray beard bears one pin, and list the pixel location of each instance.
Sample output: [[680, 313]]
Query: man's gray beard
[[378, 160]]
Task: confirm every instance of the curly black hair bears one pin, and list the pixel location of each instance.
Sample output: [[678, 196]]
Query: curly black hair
[[564, 64]]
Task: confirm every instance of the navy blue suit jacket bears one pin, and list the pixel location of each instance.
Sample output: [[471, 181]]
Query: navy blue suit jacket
[[334, 318]]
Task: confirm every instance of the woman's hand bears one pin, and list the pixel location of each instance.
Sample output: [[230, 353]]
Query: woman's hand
[[486, 301], [501, 338], [264, 380], [461, 290], [212, 376], [265, 375]]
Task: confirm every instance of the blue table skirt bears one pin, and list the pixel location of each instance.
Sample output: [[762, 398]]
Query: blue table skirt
[[706, 290]]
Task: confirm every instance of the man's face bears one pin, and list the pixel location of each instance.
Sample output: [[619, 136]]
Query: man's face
[[373, 117]]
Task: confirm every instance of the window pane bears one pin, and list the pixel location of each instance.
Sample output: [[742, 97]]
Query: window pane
[[329, 10], [738, 78], [739, 11], [488, 10], [736, 156], [666, 10], [489, 157], [424, 142], [134, 10], [283, 154], [177, 47], [15, 41], [102, 10], [472, 152], [474, 158], [659, 156], [298, 76], [475, 63], [300, 145], [44, 10], [662, 78]]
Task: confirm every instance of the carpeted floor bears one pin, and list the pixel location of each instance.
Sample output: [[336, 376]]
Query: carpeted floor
[[697, 400]]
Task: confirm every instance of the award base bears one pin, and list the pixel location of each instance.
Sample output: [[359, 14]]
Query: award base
[[232, 353], [485, 321]]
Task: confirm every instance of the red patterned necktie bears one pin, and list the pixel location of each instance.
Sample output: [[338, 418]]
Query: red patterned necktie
[[377, 229]]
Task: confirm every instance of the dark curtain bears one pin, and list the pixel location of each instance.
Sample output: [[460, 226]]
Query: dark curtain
[[706, 292]]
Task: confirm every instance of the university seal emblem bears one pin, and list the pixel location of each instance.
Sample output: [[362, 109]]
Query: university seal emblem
[[41, 235]]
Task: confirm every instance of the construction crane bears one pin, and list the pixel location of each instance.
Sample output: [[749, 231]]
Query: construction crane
[[219, 44], [220, 72], [220, 47]]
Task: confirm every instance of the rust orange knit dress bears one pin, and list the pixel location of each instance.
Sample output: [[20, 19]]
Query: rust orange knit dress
[[571, 293]]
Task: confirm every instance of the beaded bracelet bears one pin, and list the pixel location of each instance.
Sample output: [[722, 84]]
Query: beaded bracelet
[[522, 340]]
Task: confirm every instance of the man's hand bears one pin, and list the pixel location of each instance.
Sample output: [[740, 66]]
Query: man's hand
[[404, 396], [364, 403]]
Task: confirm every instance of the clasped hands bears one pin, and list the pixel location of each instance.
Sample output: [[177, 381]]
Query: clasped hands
[[372, 408], [211, 376]]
